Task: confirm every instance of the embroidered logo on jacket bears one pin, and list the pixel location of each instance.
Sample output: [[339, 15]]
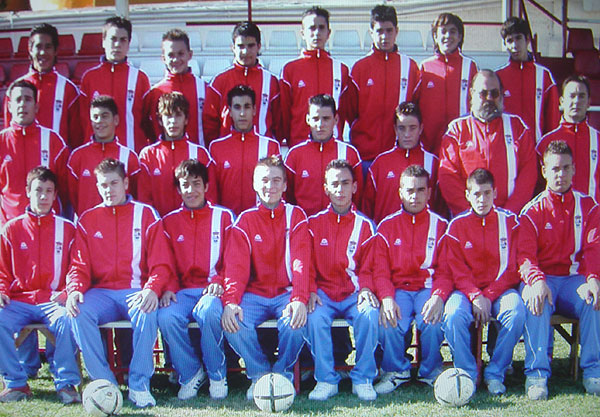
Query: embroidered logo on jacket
[[324, 242], [98, 235], [257, 238]]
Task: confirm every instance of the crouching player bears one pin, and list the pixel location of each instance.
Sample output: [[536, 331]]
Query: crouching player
[[479, 249], [196, 233], [405, 253]]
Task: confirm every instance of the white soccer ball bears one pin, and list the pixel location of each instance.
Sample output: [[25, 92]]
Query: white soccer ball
[[102, 398], [274, 392], [454, 387]]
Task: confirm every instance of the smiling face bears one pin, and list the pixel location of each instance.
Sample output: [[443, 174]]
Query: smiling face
[[41, 196], [447, 38], [23, 105], [42, 52], [575, 102], [192, 191], [384, 35], [558, 171], [270, 184], [516, 44], [104, 124], [340, 187], [174, 124], [242, 113], [176, 56], [414, 193], [245, 50], [112, 188], [321, 121], [315, 32], [115, 44], [481, 197]]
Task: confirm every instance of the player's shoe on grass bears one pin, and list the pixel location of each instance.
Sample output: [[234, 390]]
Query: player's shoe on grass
[[323, 391], [430, 380], [392, 380], [250, 392], [190, 388], [536, 388], [495, 386], [141, 399], [68, 395], [592, 385], [365, 392], [11, 395], [218, 390]]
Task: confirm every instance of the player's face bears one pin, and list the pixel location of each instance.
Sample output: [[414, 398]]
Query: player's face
[[176, 56], [104, 123], [516, 44], [481, 197], [414, 193], [384, 36], [112, 188], [245, 50], [321, 121], [42, 52], [41, 196], [23, 106], [192, 191], [558, 170], [408, 131], [486, 97], [242, 113], [340, 188], [575, 102], [315, 32], [269, 184], [447, 37], [174, 124], [115, 44]]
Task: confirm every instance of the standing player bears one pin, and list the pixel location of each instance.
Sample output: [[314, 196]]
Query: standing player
[[235, 155], [266, 271], [119, 79], [479, 249], [558, 261]]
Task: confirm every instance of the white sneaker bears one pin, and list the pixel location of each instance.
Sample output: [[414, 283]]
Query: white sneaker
[[141, 399], [495, 386], [536, 388], [190, 388], [364, 392], [250, 392], [218, 389], [592, 385], [392, 380], [430, 380], [323, 391]]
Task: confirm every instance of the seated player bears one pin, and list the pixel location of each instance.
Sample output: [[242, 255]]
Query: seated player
[[405, 253], [381, 196], [558, 260], [119, 267], [339, 288], [479, 249], [266, 271], [236, 154], [34, 253], [197, 236], [160, 159]]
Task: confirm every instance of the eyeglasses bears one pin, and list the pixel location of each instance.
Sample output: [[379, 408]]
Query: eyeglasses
[[495, 93]]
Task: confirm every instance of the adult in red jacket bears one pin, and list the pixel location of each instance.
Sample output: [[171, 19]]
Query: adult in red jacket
[[491, 139], [306, 162], [235, 155], [381, 196], [529, 89], [381, 81], [103, 144], [558, 257], [119, 268], [443, 93], [34, 254], [266, 271], [25, 145], [480, 251], [119, 79], [57, 95], [582, 138], [314, 72]]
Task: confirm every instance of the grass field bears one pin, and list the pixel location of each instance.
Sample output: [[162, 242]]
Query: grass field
[[567, 398]]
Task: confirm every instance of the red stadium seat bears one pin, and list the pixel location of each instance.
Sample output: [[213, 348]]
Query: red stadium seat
[[63, 69], [588, 63], [23, 49], [2, 76], [91, 44], [6, 48], [66, 45], [580, 39], [18, 70], [80, 69]]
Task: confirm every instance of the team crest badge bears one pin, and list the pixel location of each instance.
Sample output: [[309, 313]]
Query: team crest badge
[[508, 138], [215, 237], [594, 155], [430, 243], [58, 105], [130, 95], [265, 99], [337, 84], [45, 157], [404, 82], [503, 243], [59, 247], [538, 93], [201, 104], [577, 221], [137, 233], [352, 246], [464, 84]]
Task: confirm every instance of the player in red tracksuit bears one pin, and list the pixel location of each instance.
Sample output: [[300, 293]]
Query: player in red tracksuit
[[25, 145], [235, 155], [582, 138], [314, 72], [443, 93], [159, 160], [306, 162], [381, 196], [119, 79], [246, 70], [103, 144], [381, 81], [119, 268], [529, 89], [489, 139], [176, 54], [57, 95]]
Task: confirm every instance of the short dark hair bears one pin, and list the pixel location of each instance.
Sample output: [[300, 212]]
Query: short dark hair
[[339, 164], [407, 108], [119, 22], [43, 174], [177, 35], [383, 13], [241, 90], [106, 102], [317, 11], [110, 165], [480, 176], [169, 103], [448, 19], [23, 84], [191, 168], [557, 147], [323, 100], [415, 171], [246, 29], [272, 161], [581, 79], [45, 29], [514, 25]]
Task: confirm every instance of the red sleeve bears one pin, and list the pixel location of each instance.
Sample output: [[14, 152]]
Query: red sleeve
[[346, 82], [75, 130], [72, 181], [527, 249], [84, 106], [62, 172], [285, 94], [451, 175], [144, 182], [363, 257], [510, 278], [158, 258], [527, 173], [312, 276], [382, 276], [212, 194], [275, 108], [369, 195], [291, 179], [442, 285], [236, 266], [226, 224], [351, 98], [462, 275], [6, 276], [301, 257], [79, 277], [211, 115], [551, 113], [358, 177], [149, 119], [591, 244]]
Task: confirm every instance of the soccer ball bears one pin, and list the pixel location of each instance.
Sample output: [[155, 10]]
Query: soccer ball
[[274, 392], [102, 398], [454, 387]]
